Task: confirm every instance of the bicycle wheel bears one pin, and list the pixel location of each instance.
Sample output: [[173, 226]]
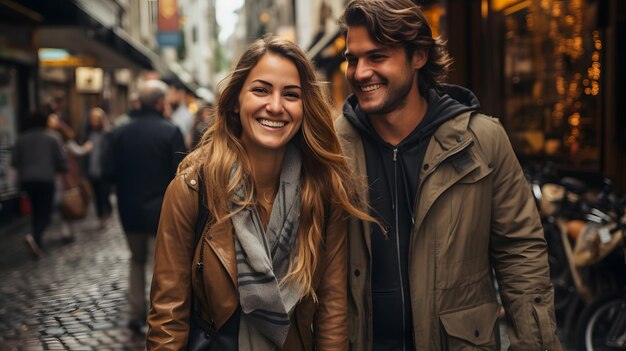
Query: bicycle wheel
[[596, 321]]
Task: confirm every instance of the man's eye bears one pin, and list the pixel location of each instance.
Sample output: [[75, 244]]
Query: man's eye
[[377, 57]]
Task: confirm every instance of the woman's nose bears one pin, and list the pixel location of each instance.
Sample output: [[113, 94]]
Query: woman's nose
[[275, 105]]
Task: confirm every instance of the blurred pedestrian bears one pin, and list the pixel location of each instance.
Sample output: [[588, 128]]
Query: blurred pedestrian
[[141, 158], [124, 118], [71, 179], [38, 156], [58, 105], [201, 123], [180, 114], [98, 127], [270, 266]]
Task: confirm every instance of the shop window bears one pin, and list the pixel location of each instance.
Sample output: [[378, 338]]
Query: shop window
[[552, 80], [435, 13], [8, 131]]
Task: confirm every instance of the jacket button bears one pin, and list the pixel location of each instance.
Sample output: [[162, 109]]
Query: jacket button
[[490, 165], [459, 139], [357, 272], [476, 333], [193, 182], [537, 299], [209, 237], [425, 167]]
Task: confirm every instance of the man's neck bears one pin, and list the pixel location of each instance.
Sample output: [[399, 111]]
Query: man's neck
[[396, 125]]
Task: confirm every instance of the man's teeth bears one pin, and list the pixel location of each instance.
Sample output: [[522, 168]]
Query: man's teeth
[[273, 124], [368, 88]]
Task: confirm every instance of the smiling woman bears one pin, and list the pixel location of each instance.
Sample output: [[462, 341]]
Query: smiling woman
[[270, 106], [270, 266]]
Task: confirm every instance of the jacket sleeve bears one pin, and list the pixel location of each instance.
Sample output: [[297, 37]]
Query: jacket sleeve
[[519, 254], [331, 317], [168, 320]]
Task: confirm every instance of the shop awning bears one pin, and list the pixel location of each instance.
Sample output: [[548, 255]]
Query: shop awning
[[317, 49], [76, 25]]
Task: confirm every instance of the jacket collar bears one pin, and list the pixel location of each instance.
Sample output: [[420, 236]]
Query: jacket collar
[[452, 132]]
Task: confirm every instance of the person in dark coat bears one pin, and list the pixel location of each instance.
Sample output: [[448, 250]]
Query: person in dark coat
[[141, 158], [38, 156]]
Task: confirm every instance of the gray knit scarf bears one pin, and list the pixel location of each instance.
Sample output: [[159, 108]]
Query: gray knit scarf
[[263, 261]]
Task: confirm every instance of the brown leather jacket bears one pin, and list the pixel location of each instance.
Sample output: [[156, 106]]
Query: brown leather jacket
[[216, 291]]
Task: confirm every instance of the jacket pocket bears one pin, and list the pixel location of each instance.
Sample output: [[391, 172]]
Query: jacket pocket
[[473, 328]]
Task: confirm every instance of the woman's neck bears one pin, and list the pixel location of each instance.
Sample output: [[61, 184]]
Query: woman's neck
[[266, 168]]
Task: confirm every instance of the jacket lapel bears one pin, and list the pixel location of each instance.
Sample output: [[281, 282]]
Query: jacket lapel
[[450, 154], [222, 241]]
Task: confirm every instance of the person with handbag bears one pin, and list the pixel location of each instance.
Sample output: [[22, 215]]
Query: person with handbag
[[73, 192], [93, 148], [268, 271], [38, 157]]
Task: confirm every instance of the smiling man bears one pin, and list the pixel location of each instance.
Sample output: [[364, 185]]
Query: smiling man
[[444, 183]]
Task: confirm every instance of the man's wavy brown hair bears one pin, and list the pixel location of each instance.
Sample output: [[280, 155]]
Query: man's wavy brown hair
[[327, 195], [402, 23]]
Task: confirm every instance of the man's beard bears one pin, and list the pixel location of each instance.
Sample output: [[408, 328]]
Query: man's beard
[[395, 98]]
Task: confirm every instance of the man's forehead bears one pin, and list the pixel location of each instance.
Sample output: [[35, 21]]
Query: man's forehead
[[359, 39]]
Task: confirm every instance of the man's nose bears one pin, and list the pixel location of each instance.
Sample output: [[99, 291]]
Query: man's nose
[[362, 71]]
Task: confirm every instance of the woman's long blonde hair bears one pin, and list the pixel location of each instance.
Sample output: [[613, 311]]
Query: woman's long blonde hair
[[327, 196]]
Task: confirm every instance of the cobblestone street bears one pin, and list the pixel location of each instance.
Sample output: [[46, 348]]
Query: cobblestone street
[[73, 298]]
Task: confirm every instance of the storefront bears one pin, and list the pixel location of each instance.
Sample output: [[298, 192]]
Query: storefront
[[549, 70], [18, 72]]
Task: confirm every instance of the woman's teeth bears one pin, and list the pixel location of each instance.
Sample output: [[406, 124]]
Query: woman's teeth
[[273, 124]]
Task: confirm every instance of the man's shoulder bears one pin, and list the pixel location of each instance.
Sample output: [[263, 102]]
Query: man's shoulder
[[345, 130], [481, 120], [149, 123], [485, 126]]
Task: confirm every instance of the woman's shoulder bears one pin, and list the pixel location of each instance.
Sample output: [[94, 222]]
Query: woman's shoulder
[[188, 178]]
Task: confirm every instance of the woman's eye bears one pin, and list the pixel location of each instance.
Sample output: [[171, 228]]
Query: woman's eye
[[259, 90], [292, 95]]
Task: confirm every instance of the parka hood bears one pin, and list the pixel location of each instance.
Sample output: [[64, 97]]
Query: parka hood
[[443, 105]]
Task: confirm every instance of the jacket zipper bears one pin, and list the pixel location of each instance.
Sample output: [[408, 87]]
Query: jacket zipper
[[200, 265], [417, 195], [395, 204]]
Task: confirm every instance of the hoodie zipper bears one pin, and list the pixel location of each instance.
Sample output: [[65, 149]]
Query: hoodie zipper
[[395, 207], [459, 149]]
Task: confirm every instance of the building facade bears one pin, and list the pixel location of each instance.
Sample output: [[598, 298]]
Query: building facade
[[78, 50], [549, 69]]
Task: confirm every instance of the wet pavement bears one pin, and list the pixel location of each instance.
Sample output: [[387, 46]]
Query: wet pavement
[[73, 298]]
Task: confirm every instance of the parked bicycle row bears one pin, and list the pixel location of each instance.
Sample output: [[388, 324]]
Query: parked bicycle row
[[584, 229]]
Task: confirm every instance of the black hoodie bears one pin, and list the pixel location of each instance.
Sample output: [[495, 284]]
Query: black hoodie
[[393, 176]]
